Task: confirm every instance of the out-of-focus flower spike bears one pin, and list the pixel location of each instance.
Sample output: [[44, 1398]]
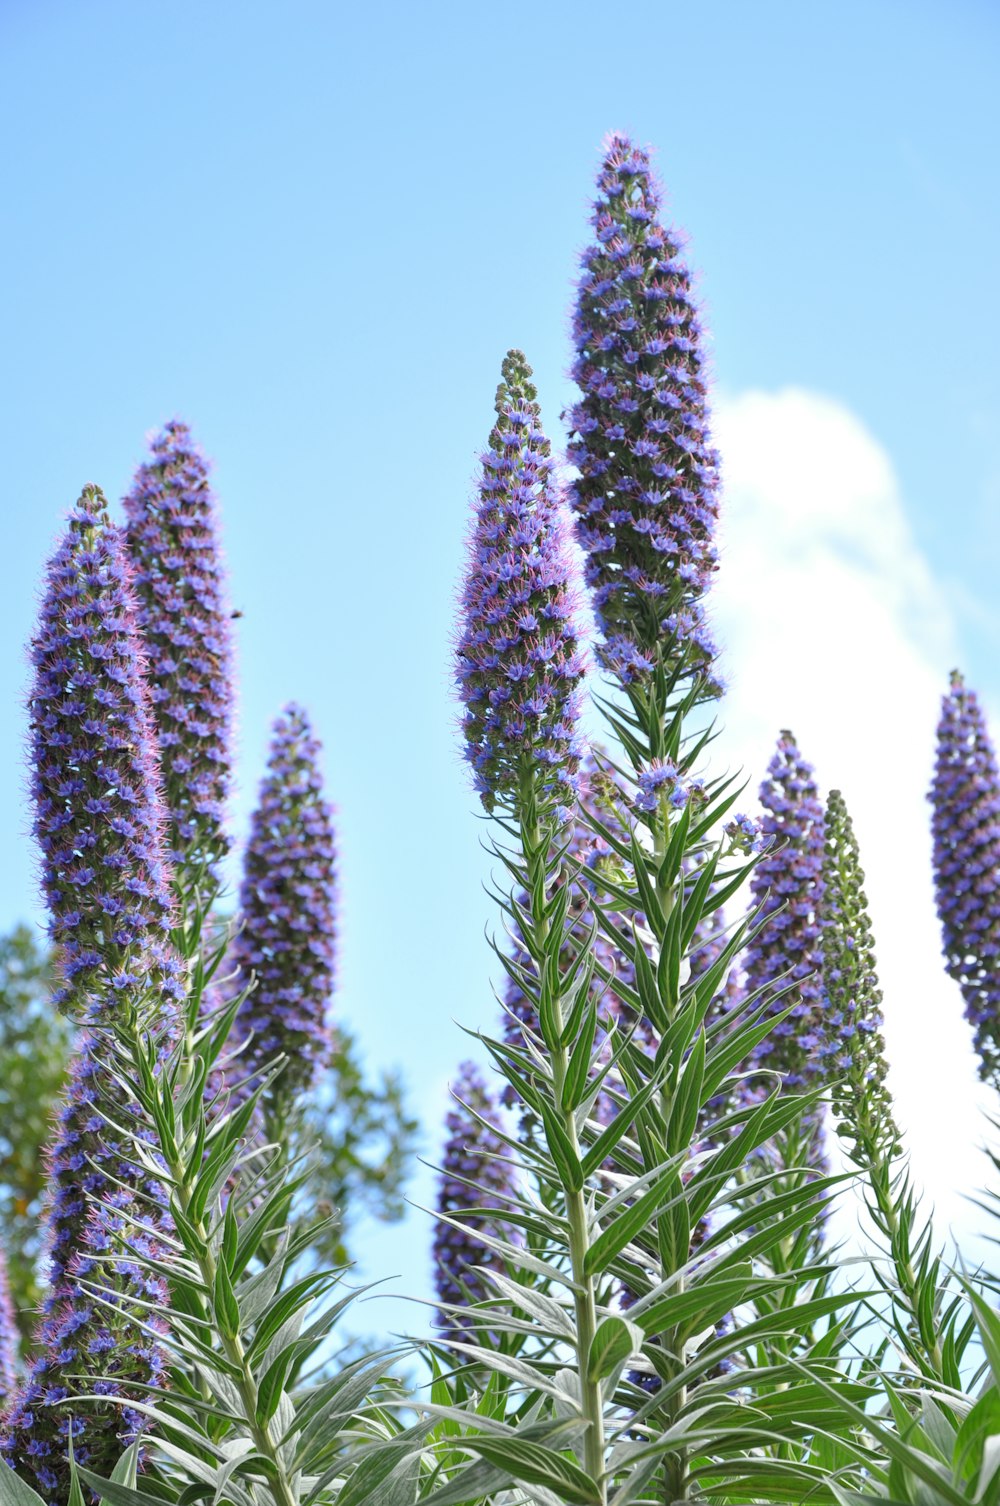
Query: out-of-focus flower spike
[[473, 1176], [83, 1346], [785, 959], [645, 496], [173, 540], [95, 780], [518, 662], [287, 912], [8, 1337], [854, 1047], [965, 797]]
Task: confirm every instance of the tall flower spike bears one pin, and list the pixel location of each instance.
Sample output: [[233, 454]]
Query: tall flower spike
[[646, 493], [518, 662], [788, 883], [95, 780], [472, 1177], [85, 1346], [172, 533], [287, 912], [965, 796], [99, 822], [854, 1046], [8, 1338]]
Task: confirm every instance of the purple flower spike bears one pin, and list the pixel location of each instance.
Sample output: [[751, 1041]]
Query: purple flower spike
[[172, 533], [646, 494], [518, 663], [8, 1338], [472, 1177], [288, 913], [96, 1195], [95, 779], [789, 882], [965, 795]]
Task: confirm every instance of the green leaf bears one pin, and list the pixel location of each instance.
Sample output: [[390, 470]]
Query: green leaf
[[113, 1492], [127, 1468], [14, 1492], [687, 1101], [578, 1073], [624, 1229], [226, 1308], [567, 1162], [615, 1341], [533, 1464]]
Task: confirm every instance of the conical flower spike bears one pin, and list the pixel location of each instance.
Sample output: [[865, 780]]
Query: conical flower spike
[[99, 822], [646, 494], [518, 662], [965, 796], [95, 781], [785, 959], [172, 532], [287, 912]]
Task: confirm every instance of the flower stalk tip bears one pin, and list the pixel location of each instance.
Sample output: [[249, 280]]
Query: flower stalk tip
[[519, 665], [646, 493]]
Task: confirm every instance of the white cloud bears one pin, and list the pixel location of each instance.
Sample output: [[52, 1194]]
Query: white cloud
[[831, 623]]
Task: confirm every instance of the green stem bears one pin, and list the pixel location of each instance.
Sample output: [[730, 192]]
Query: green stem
[[675, 1465], [584, 1295], [878, 1168], [176, 1163]]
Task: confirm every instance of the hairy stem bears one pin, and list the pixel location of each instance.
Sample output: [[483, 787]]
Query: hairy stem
[[584, 1294]]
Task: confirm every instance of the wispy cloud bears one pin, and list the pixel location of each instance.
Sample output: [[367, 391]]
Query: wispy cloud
[[832, 623]]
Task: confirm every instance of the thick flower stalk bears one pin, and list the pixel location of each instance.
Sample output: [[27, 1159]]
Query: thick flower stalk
[[8, 1337], [287, 913], [965, 796], [862, 1103], [173, 539], [518, 662], [475, 1187], [99, 822], [854, 1050], [645, 497], [587, 856], [785, 959], [95, 781]]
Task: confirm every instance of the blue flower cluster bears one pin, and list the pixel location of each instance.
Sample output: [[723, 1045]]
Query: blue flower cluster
[[518, 662], [646, 493], [287, 912], [172, 534], [965, 796], [785, 958], [99, 818], [100, 825]]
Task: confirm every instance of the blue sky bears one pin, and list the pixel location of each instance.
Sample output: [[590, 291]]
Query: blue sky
[[312, 230]]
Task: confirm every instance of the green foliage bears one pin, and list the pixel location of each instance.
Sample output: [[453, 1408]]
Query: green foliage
[[34, 1052], [365, 1140]]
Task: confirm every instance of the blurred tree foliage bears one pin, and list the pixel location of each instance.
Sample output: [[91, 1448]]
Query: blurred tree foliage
[[367, 1142], [366, 1138], [34, 1049]]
